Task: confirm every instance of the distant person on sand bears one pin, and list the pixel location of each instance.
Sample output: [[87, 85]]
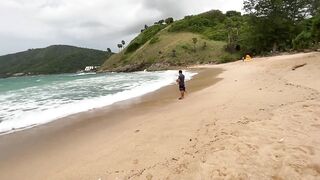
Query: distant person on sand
[[182, 87]]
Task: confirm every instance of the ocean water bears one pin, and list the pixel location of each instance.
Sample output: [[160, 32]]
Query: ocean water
[[29, 101]]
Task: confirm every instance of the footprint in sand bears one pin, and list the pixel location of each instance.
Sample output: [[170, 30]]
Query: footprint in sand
[[244, 121], [316, 125], [315, 167], [149, 177], [136, 161], [310, 149]]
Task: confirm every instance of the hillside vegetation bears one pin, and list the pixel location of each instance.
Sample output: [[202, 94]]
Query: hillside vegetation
[[267, 27], [193, 40], [51, 60]]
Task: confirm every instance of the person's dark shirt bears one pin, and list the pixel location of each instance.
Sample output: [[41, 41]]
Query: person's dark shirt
[[181, 80]]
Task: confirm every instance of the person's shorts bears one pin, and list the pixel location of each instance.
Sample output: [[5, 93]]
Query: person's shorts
[[182, 88]]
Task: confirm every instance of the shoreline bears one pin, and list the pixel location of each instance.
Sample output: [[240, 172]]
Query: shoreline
[[67, 129], [63, 114], [255, 120], [306, 51], [167, 92]]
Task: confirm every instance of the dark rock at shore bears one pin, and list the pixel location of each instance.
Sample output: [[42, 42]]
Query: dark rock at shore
[[129, 68], [4, 76], [142, 66], [159, 67]]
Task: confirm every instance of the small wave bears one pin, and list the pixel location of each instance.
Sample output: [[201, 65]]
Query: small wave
[[83, 74], [39, 112]]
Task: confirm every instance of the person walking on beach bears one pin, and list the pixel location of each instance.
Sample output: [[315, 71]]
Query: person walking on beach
[[182, 87]]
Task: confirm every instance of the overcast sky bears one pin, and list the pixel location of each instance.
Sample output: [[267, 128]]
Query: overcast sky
[[97, 24]]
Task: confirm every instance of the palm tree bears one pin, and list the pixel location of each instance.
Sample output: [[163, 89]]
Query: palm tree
[[161, 21], [120, 46], [169, 20]]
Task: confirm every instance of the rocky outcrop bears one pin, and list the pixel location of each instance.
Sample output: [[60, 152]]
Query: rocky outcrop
[[140, 67]]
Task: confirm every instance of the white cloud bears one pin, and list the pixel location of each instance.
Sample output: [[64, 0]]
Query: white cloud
[[95, 24]]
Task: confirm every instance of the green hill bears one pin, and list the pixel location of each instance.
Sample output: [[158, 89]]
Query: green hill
[[205, 38], [51, 60], [215, 37]]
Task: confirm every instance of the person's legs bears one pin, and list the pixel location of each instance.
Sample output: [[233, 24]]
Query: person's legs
[[182, 90], [182, 94]]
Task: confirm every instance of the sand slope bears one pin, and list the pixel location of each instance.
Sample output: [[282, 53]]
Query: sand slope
[[261, 121]]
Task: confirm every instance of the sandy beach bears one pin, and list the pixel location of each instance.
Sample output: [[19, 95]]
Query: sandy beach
[[241, 120]]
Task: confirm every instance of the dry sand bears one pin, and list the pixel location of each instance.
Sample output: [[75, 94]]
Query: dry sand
[[258, 120]]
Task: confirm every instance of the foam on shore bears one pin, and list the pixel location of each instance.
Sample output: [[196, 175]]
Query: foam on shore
[[41, 107]]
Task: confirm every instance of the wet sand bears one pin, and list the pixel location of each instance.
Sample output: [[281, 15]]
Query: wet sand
[[72, 134], [250, 120]]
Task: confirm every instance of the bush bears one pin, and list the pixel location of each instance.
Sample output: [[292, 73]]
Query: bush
[[215, 16], [186, 47], [303, 40], [316, 28], [195, 24], [233, 14], [154, 40], [217, 34], [226, 58], [213, 24], [133, 46], [145, 36], [169, 20]]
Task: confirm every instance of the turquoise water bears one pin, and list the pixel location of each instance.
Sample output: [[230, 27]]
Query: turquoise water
[[33, 100]]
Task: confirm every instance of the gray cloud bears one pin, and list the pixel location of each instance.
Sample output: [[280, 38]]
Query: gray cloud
[[94, 24], [167, 8]]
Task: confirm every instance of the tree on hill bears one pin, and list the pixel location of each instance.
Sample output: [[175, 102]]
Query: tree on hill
[[120, 47], [315, 7], [143, 37], [174, 53], [51, 60], [161, 21], [168, 20], [109, 50], [274, 24], [195, 41], [204, 46], [233, 13], [316, 28], [310, 36], [123, 43], [233, 25], [215, 16]]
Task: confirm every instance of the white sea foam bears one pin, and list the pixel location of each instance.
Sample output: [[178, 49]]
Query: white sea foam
[[32, 106]]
